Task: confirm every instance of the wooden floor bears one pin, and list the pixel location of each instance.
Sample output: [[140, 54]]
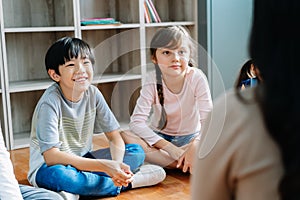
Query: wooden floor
[[175, 186]]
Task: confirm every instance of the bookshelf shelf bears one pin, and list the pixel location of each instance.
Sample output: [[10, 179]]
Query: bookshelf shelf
[[21, 140], [107, 78], [163, 24], [28, 28], [25, 86], [38, 29], [112, 26]]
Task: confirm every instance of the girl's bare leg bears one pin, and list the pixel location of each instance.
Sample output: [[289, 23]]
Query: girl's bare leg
[[153, 155]]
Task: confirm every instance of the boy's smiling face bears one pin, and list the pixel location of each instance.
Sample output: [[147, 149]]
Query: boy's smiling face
[[75, 77]]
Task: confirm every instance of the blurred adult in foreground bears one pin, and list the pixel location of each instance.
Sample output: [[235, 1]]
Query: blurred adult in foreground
[[254, 155]]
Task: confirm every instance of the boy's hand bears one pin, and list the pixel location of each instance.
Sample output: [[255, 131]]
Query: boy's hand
[[119, 172]]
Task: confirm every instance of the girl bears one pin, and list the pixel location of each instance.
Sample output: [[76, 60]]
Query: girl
[[249, 76], [178, 97]]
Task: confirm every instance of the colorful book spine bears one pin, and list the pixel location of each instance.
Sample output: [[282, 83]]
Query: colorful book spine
[[146, 13], [154, 10], [151, 14]]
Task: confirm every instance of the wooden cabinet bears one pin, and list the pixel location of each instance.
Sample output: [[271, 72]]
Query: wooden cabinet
[[29, 27]]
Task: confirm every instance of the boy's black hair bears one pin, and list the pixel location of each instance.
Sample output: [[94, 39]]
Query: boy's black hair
[[64, 49]]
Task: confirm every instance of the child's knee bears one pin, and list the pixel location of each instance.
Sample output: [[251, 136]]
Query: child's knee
[[136, 151], [134, 148]]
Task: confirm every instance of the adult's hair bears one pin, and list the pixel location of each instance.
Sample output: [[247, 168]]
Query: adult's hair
[[275, 48], [64, 50]]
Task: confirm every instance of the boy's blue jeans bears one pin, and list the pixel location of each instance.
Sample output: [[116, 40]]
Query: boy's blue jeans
[[69, 179]]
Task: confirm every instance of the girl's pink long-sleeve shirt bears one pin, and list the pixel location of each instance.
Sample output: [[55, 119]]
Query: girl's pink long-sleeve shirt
[[186, 111]]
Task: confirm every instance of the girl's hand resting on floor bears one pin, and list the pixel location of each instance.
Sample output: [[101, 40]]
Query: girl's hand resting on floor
[[186, 160], [119, 172]]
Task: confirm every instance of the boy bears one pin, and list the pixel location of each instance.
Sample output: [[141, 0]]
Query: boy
[[65, 118]]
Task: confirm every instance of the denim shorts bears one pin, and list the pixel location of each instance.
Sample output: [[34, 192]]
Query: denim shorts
[[178, 141]]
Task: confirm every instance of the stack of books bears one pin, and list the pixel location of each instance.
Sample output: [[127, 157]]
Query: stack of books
[[151, 14], [99, 21]]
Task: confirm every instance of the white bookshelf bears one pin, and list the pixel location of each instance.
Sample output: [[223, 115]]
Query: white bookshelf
[[29, 27]]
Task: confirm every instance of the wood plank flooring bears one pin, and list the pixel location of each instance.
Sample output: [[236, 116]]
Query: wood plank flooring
[[175, 186]]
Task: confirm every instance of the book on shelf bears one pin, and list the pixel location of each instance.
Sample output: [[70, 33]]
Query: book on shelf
[[150, 13], [99, 21], [146, 13]]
